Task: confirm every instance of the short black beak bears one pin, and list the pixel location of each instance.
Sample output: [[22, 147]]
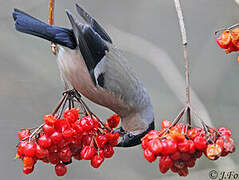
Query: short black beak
[[130, 140]]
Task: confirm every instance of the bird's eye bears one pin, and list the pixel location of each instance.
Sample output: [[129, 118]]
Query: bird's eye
[[130, 136]]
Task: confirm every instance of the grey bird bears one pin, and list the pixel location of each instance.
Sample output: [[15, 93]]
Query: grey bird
[[92, 64]]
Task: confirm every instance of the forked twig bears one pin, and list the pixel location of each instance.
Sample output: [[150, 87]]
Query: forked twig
[[227, 28]]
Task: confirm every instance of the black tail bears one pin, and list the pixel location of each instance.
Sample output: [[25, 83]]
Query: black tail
[[30, 25]]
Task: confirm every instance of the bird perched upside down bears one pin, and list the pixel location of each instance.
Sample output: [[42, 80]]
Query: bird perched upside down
[[94, 67]]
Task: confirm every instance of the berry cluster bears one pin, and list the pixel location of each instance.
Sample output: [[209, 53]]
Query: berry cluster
[[178, 148], [59, 139], [229, 41]]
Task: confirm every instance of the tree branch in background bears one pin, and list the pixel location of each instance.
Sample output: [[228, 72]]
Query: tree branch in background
[[51, 22]]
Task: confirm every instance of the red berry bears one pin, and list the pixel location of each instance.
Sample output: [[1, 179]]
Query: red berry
[[68, 133], [27, 170], [191, 149], [149, 155], [60, 169], [88, 152], [41, 152], [165, 150], [108, 151], [163, 169], [96, 161], [53, 158], [49, 119], [71, 115], [112, 138], [86, 140], [184, 146], [48, 129], [185, 156], [179, 164], [56, 137], [183, 172], [78, 156], [21, 148], [220, 142], [30, 149], [77, 127], [200, 143], [179, 126], [101, 140], [44, 141], [191, 162], [224, 131], [63, 143], [174, 169], [229, 146], [155, 146], [28, 162], [175, 156], [113, 120], [23, 134], [166, 161], [61, 125], [172, 146], [165, 124], [144, 144], [65, 154], [192, 133], [87, 123], [53, 148]]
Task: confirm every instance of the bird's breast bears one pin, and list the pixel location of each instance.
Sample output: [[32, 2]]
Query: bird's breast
[[73, 67]]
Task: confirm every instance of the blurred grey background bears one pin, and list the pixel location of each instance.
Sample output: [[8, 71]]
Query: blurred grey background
[[30, 84]]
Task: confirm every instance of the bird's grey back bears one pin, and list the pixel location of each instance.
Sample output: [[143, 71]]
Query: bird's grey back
[[122, 80]]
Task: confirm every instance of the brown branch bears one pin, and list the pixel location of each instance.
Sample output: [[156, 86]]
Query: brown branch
[[51, 22]]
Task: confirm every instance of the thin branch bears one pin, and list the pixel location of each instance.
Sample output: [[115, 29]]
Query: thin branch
[[51, 12], [227, 28], [184, 41], [179, 116], [51, 22], [59, 104]]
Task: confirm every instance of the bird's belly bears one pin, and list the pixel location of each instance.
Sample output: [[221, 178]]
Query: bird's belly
[[72, 65]]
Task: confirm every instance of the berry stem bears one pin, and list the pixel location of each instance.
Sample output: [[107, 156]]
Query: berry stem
[[227, 28], [63, 106], [184, 42], [59, 104], [185, 54], [87, 109], [176, 120], [35, 131]]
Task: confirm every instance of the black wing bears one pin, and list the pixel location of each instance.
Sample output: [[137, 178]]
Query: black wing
[[92, 22], [91, 45]]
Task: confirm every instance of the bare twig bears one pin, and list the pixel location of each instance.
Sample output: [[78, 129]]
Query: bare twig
[[179, 116], [184, 41], [51, 22], [59, 104], [227, 28], [185, 53]]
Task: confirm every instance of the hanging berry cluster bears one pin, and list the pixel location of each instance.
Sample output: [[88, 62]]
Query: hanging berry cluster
[[229, 40], [178, 147], [68, 135]]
